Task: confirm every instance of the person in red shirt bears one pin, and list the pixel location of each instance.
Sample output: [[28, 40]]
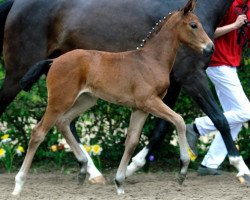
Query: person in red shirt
[[222, 71]]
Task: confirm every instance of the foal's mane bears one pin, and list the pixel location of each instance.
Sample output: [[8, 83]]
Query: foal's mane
[[158, 25], [155, 29]]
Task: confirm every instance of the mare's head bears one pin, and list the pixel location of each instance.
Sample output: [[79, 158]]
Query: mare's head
[[190, 30]]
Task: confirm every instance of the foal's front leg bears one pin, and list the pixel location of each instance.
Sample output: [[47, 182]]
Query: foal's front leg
[[137, 121], [156, 107], [161, 129]]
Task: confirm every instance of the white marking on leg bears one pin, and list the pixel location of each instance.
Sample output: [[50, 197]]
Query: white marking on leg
[[119, 178], [19, 182], [239, 164], [91, 168], [137, 162], [120, 191]]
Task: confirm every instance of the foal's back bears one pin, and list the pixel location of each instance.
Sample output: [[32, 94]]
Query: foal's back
[[111, 76]]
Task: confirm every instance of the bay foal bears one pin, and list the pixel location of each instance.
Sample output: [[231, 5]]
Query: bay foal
[[138, 79]]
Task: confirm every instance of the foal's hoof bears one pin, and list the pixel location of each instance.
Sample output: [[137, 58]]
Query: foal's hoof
[[81, 178], [181, 178], [119, 188], [120, 191], [245, 179], [98, 180], [16, 194]]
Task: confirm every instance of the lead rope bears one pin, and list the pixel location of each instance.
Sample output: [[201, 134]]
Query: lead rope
[[242, 30]]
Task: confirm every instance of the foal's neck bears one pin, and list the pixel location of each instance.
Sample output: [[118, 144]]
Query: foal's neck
[[163, 46]]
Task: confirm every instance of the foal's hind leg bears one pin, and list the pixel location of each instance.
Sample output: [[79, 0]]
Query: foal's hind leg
[[37, 136], [95, 176], [156, 107], [83, 103], [137, 121]]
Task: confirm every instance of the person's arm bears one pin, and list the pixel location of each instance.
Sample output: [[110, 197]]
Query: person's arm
[[241, 19]]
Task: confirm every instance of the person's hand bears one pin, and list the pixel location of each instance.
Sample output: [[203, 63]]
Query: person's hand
[[241, 19]]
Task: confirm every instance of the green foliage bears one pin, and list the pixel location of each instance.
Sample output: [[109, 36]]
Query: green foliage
[[9, 148], [244, 143], [7, 160]]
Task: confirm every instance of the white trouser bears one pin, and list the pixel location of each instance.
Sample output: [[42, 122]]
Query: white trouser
[[236, 108]]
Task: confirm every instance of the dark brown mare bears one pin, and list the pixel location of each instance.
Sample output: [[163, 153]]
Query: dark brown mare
[[36, 30], [137, 78]]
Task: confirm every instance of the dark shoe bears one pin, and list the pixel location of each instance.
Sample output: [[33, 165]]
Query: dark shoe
[[204, 171], [192, 138]]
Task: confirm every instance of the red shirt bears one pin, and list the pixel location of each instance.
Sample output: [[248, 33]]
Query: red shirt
[[227, 51]]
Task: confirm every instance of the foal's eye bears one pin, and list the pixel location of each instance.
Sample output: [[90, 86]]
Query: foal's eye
[[193, 25]]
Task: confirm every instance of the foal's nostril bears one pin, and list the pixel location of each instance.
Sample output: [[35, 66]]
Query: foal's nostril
[[209, 49]]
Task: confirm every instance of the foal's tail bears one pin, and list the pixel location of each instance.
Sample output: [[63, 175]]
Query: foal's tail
[[4, 11], [34, 73]]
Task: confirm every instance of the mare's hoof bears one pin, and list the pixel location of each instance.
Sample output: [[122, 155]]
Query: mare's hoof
[[181, 178], [98, 180], [245, 179], [81, 178]]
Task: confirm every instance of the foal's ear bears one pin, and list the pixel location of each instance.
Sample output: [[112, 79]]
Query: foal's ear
[[189, 7]]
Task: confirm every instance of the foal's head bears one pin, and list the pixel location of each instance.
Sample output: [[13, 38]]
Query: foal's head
[[190, 30]]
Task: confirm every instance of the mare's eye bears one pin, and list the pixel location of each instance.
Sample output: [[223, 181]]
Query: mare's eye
[[193, 25]]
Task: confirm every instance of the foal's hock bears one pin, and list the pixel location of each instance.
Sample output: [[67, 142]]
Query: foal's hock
[[138, 79]]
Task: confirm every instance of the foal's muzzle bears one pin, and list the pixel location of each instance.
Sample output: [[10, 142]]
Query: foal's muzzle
[[209, 49]]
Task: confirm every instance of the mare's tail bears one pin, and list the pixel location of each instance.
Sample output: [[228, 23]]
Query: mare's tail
[[4, 11], [34, 73]]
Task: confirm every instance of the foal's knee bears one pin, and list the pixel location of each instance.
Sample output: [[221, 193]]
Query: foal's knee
[[179, 123], [62, 123], [37, 136], [132, 142]]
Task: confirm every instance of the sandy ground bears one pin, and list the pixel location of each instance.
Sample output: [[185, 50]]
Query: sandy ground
[[160, 185]]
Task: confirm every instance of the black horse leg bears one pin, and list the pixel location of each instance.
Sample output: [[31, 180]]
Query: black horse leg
[[73, 130], [197, 87], [8, 92], [203, 97]]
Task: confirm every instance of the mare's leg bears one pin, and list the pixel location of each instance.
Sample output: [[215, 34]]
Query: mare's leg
[[137, 121], [83, 103], [18, 57], [37, 136], [156, 107], [197, 87], [157, 136], [9, 90]]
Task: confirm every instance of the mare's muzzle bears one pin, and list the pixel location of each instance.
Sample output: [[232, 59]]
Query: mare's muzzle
[[209, 49]]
